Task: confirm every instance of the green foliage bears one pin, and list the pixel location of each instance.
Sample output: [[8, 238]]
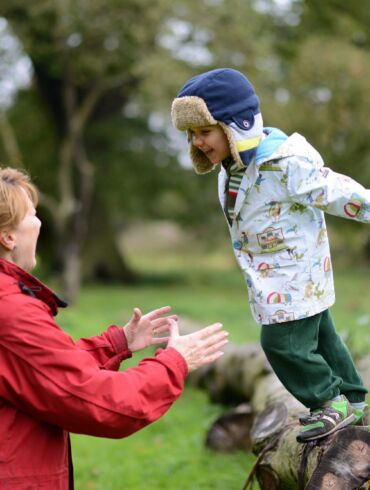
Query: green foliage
[[348, 20], [308, 61], [328, 103]]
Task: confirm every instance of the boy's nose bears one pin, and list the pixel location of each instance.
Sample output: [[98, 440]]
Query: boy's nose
[[197, 141]]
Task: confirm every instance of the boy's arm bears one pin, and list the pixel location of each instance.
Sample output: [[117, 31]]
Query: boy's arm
[[329, 191]]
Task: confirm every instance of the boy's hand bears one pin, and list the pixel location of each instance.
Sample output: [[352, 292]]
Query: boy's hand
[[140, 330]]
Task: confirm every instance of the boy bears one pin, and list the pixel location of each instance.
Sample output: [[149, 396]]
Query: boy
[[274, 190]]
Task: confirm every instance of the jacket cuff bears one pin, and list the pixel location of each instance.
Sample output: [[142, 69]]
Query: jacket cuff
[[174, 356], [118, 338]]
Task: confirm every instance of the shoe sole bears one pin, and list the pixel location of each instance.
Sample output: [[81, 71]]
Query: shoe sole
[[344, 423]]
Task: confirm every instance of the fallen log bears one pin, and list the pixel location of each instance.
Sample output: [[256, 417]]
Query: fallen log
[[232, 430], [266, 422], [337, 462]]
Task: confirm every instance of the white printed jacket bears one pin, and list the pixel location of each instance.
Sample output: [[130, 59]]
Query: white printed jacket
[[279, 234]]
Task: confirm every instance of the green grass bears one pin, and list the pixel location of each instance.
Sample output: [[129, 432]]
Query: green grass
[[170, 454], [166, 455]]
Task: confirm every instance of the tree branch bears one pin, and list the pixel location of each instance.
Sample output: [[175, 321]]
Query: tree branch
[[10, 143]]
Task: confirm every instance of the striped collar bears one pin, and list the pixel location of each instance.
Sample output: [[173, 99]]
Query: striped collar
[[232, 167]]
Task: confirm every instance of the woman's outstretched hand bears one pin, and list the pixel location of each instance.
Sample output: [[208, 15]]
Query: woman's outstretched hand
[[140, 331], [200, 347]]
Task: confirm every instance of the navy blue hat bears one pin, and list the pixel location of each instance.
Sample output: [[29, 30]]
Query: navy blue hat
[[225, 97]]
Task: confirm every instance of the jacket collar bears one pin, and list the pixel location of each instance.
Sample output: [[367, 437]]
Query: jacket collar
[[30, 285], [274, 139]]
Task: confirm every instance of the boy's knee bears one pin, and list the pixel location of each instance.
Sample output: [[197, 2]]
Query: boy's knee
[[271, 340]]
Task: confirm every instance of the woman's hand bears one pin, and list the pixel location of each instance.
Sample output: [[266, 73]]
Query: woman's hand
[[201, 347], [140, 329]]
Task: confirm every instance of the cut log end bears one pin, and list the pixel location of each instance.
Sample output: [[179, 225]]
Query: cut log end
[[267, 478], [231, 431], [267, 424], [345, 465]]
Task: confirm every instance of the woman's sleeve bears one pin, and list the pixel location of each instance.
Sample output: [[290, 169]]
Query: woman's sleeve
[[45, 374], [108, 349]]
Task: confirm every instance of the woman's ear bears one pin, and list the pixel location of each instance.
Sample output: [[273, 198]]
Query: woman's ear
[[7, 240]]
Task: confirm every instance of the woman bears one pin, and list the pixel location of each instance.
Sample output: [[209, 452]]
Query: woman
[[51, 385]]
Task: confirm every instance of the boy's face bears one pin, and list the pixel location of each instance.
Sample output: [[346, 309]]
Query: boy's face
[[212, 141]]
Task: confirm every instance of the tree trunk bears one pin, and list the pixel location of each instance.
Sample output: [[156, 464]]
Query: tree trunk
[[71, 271], [10, 142], [103, 259]]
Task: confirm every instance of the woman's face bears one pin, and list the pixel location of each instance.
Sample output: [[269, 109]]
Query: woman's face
[[25, 237]]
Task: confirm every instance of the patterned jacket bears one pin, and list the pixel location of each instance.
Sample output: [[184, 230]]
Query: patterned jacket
[[279, 234]]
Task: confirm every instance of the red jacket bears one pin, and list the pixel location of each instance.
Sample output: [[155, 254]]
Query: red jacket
[[51, 385]]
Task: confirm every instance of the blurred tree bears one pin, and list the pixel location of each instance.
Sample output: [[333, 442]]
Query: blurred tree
[[94, 126], [90, 60], [323, 50], [83, 56]]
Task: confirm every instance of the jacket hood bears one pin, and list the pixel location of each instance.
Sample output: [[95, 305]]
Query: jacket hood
[[20, 281], [278, 145], [225, 97]]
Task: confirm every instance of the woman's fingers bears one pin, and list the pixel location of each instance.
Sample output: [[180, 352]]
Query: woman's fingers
[[206, 332], [136, 315], [211, 358], [159, 322], [160, 340], [215, 338], [173, 329], [213, 348], [163, 328], [200, 347], [152, 315]]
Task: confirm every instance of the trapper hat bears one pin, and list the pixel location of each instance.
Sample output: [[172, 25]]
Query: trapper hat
[[225, 97]]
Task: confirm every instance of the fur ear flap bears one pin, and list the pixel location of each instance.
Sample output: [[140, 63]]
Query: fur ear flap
[[190, 112], [200, 162], [233, 150]]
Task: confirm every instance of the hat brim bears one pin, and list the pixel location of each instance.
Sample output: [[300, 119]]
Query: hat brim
[[190, 112]]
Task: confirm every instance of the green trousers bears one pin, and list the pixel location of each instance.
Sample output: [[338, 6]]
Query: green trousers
[[311, 360]]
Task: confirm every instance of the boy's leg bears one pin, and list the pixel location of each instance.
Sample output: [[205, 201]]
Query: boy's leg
[[338, 357], [296, 354], [292, 350]]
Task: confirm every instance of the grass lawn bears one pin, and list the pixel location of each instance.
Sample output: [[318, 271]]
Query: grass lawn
[[170, 454]]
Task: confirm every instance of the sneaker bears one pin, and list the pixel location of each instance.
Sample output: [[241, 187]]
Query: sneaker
[[361, 416], [308, 418], [334, 415]]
